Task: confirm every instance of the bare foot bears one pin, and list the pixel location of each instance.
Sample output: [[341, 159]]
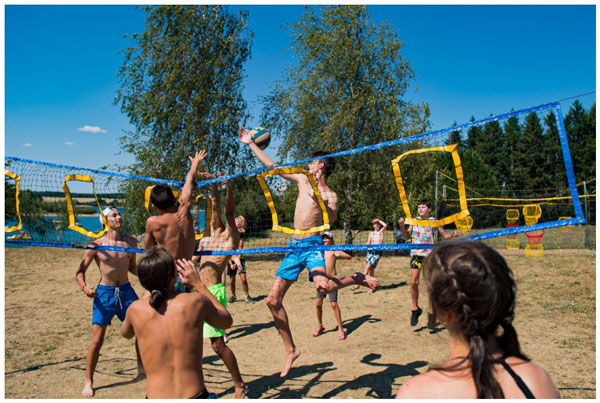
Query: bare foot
[[88, 390], [291, 357], [240, 393], [367, 281]]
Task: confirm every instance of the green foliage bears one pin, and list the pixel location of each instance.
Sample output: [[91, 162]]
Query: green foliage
[[181, 87], [31, 208], [581, 133], [10, 204], [346, 91]]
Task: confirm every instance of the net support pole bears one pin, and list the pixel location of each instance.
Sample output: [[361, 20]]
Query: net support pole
[[587, 218]]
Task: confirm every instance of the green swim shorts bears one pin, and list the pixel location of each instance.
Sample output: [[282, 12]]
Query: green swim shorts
[[218, 290]]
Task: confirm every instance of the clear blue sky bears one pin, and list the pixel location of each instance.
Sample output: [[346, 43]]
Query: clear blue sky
[[61, 64]]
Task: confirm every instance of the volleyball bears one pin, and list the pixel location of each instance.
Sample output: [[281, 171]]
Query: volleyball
[[261, 137]]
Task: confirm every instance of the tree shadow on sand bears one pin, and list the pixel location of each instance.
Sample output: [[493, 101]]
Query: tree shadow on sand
[[380, 383]]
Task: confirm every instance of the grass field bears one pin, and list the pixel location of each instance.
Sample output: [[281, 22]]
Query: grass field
[[47, 331]]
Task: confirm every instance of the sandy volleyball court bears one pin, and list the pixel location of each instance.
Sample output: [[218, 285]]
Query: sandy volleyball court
[[47, 331]]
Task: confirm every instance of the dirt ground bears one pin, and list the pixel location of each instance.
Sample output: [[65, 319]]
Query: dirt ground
[[47, 331]]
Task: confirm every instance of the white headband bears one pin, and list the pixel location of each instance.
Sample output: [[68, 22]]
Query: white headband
[[105, 213]]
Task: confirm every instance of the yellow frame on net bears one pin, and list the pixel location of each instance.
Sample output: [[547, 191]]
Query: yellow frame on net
[[269, 197], [453, 149], [71, 210], [17, 179]]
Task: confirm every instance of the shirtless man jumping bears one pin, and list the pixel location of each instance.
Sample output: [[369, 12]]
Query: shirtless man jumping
[[113, 295], [173, 229], [168, 326], [307, 215], [222, 237]]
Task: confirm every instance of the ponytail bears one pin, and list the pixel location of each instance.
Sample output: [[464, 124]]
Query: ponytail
[[155, 272], [482, 368], [474, 282], [157, 298]]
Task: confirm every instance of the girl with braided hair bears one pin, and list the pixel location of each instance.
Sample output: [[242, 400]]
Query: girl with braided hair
[[472, 291]]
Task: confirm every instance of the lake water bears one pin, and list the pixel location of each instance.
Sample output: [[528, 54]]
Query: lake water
[[90, 223]]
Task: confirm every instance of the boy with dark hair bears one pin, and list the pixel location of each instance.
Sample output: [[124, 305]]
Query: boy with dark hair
[[307, 214], [162, 196], [173, 229], [421, 235]]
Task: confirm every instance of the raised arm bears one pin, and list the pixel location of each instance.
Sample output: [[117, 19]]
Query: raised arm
[[383, 226], [190, 179], [216, 314], [405, 232], [88, 257], [246, 138], [229, 204]]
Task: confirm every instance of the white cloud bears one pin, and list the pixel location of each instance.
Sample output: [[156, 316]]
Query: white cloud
[[27, 145], [91, 129], [69, 143]]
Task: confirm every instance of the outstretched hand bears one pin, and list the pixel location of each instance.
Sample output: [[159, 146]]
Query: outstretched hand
[[187, 272], [245, 136], [221, 174], [206, 175], [198, 157]]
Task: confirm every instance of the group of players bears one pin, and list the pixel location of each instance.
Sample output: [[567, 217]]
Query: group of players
[[170, 322]]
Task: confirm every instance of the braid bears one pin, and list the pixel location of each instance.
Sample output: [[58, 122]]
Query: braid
[[473, 281]]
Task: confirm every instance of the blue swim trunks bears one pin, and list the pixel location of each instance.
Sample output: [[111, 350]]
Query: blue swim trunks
[[112, 300], [294, 262]]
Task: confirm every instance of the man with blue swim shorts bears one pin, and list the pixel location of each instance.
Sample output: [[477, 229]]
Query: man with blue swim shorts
[[114, 293], [307, 216]]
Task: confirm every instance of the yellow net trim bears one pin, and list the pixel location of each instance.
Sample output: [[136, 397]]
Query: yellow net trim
[[71, 210], [17, 179], [269, 197], [207, 217], [453, 149]]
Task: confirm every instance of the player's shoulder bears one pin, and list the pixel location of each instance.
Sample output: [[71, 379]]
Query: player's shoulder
[[131, 241], [422, 386], [536, 378]]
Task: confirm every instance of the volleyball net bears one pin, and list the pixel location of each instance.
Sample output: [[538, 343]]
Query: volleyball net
[[493, 178]]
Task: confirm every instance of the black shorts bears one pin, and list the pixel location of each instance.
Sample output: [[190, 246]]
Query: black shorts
[[416, 262], [232, 272]]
